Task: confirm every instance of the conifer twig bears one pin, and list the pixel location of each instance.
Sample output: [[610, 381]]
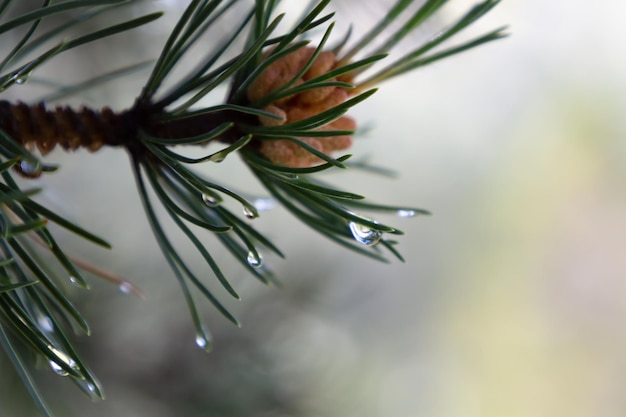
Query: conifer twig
[[285, 115]]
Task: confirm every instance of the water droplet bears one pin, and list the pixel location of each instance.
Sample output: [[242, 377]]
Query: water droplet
[[63, 357], [364, 235], [264, 204], [30, 167], [219, 156], [57, 369], [125, 287], [78, 283], [406, 213], [45, 323], [92, 389], [249, 213], [254, 259], [210, 200], [22, 78], [201, 341]]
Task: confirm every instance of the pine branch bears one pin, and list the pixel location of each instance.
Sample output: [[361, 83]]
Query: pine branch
[[285, 115]]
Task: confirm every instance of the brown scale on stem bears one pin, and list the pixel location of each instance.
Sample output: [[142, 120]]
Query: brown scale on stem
[[301, 106], [36, 127]]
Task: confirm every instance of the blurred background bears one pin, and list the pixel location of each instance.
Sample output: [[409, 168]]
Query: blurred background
[[511, 302]]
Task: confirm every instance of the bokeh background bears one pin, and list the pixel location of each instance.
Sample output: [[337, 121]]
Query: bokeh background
[[511, 302]]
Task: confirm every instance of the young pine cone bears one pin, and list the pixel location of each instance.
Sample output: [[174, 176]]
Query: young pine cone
[[301, 106]]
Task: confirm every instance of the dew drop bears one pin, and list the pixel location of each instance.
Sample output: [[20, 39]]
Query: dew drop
[[264, 204], [22, 79], [78, 283], [65, 358], [201, 341], [364, 235], [30, 167], [45, 323], [254, 259], [249, 213], [56, 368], [210, 200], [92, 390], [125, 287], [406, 213]]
